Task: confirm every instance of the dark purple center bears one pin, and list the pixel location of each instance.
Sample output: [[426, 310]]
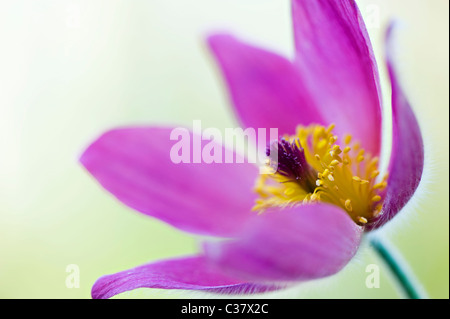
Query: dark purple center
[[289, 160]]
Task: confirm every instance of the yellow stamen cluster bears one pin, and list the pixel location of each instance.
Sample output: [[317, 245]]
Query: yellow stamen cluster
[[345, 176]]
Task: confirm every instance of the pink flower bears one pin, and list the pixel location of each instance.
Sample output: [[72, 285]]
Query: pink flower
[[323, 197]]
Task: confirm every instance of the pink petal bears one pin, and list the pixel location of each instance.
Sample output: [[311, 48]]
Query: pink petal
[[134, 164], [337, 62], [189, 273], [297, 243], [407, 154], [266, 89]]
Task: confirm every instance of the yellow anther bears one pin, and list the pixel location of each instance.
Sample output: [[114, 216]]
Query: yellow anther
[[259, 201], [348, 139], [337, 149], [330, 178], [334, 162], [380, 185], [348, 205], [319, 182], [317, 157], [330, 128], [374, 161], [360, 158], [347, 149], [374, 174], [376, 198], [356, 179], [362, 220]]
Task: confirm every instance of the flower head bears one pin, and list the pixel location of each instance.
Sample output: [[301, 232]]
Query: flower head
[[326, 190], [312, 167]]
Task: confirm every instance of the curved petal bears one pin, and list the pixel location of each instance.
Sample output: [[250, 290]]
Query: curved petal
[[337, 62], [407, 154], [135, 165], [189, 273], [266, 89], [291, 244]]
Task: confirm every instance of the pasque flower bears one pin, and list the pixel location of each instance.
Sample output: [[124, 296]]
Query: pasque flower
[[307, 219]]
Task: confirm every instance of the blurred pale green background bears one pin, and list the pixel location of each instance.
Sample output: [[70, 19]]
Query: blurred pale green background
[[72, 69]]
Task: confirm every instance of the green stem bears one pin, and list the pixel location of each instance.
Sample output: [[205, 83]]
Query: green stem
[[398, 267]]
